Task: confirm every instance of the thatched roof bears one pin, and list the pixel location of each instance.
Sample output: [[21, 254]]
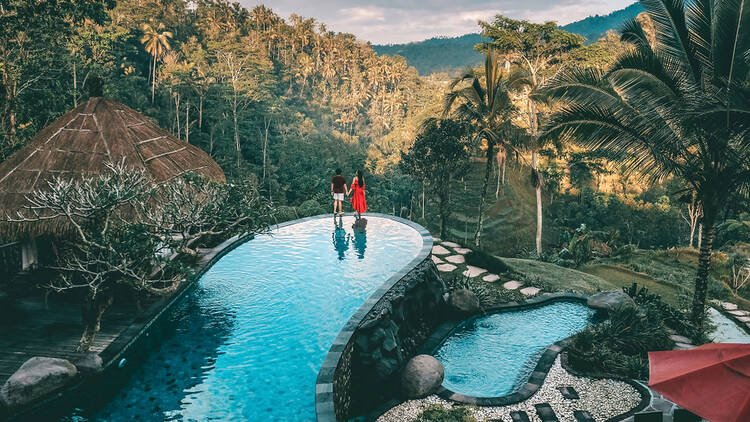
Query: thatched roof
[[80, 143]]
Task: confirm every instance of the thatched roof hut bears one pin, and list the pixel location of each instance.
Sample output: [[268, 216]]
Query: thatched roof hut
[[80, 143]]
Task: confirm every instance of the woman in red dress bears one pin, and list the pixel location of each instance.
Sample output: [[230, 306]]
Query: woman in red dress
[[358, 199]]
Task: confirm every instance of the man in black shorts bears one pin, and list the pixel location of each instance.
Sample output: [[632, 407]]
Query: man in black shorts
[[338, 188]]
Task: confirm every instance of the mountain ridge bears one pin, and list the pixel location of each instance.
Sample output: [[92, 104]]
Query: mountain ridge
[[451, 54]]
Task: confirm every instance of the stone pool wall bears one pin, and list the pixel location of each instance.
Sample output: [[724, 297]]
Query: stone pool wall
[[362, 367]]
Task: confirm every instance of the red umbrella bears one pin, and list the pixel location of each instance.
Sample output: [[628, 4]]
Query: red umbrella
[[712, 381]]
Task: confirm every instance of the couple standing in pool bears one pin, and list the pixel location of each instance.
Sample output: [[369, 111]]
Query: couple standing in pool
[[339, 189]]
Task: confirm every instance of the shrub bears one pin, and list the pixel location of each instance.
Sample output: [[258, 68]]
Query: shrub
[[619, 345], [309, 208], [438, 413], [486, 261]]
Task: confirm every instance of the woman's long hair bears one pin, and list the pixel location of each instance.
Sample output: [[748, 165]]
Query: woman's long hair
[[360, 179]]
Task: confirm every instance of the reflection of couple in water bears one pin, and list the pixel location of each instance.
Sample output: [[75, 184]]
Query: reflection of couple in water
[[341, 238]]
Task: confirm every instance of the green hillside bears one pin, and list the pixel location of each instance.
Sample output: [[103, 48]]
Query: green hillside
[[452, 54]]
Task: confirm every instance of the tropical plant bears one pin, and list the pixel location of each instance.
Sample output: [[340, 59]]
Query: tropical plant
[[156, 44], [679, 106], [483, 100], [439, 156], [534, 49]]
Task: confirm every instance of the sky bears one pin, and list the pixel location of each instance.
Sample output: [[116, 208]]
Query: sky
[[399, 21]]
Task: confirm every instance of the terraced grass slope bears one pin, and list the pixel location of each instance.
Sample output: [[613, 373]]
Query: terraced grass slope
[[510, 222]]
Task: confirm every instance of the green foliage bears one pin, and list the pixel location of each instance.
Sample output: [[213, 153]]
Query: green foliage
[[620, 344], [732, 231], [438, 413], [439, 155]]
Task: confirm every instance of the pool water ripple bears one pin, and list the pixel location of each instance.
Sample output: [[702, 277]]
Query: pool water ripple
[[494, 355], [249, 341]]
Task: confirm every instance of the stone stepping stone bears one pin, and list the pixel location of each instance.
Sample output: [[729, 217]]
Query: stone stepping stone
[[446, 268], [583, 416], [729, 306], [545, 412], [569, 393], [512, 285], [680, 339], [743, 319], [739, 313], [451, 244], [462, 251], [456, 259], [436, 260], [491, 278], [439, 250], [684, 415], [519, 416], [435, 239], [683, 346], [530, 291], [472, 271]]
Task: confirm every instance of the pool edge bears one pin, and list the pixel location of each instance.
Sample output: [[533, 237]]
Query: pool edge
[[325, 409]]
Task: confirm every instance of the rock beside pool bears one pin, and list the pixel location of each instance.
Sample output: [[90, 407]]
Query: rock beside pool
[[36, 378], [421, 377], [464, 301], [91, 363], [606, 301]]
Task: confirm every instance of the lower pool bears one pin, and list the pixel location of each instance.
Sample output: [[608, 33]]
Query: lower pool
[[494, 355], [249, 341]]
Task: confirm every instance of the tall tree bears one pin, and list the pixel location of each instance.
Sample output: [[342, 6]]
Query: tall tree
[[535, 49], [678, 107], [439, 156], [483, 100], [156, 44]]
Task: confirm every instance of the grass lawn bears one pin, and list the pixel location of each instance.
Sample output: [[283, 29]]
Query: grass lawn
[[557, 278], [623, 277]]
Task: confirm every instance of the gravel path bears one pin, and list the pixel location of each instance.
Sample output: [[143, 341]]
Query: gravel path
[[602, 398]]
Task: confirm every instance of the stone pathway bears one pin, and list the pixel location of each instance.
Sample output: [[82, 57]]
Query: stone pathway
[[491, 278], [446, 268], [472, 271], [451, 245], [456, 259], [439, 250], [462, 251], [732, 311], [530, 291], [512, 285], [436, 260]]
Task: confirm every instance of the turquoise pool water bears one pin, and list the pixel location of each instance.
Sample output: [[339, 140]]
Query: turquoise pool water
[[494, 355], [249, 341]]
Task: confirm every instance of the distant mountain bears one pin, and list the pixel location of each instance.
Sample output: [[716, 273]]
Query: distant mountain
[[452, 54], [440, 54], [594, 27]]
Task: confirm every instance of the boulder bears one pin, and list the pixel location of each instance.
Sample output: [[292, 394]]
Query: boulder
[[36, 378], [422, 376], [609, 300], [464, 301], [89, 364]]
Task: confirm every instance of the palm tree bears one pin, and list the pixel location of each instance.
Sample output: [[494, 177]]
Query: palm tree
[[679, 107], [156, 44], [484, 101]]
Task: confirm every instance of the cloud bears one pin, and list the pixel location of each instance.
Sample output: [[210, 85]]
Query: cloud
[[397, 21]]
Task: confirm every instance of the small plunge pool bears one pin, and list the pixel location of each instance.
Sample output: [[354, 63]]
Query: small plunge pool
[[494, 355], [248, 343]]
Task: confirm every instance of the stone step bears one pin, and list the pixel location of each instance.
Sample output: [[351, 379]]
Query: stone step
[[451, 244], [439, 250], [530, 291], [684, 415], [569, 393], [436, 260], [472, 271], [462, 251], [446, 268], [512, 285], [491, 278], [654, 416], [680, 339], [519, 416], [455, 259], [583, 416], [545, 412]]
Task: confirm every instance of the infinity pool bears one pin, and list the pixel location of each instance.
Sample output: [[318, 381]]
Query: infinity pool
[[250, 339], [494, 355]]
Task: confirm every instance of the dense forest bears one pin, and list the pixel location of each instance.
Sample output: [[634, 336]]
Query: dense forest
[[284, 101]]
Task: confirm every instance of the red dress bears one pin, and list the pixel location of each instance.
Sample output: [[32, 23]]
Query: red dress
[[358, 197]]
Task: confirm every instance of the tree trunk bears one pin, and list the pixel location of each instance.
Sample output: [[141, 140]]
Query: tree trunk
[[236, 132], [200, 113], [700, 234], [704, 265], [187, 121], [538, 188], [75, 86], [91, 312], [483, 199], [422, 199], [497, 190], [153, 81]]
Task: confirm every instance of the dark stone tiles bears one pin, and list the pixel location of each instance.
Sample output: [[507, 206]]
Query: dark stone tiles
[[519, 416], [583, 416], [569, 393], [683, 415], [655, 416], [545, 412]]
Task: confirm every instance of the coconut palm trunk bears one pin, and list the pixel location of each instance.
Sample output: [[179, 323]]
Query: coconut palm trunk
[[483, 198]]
